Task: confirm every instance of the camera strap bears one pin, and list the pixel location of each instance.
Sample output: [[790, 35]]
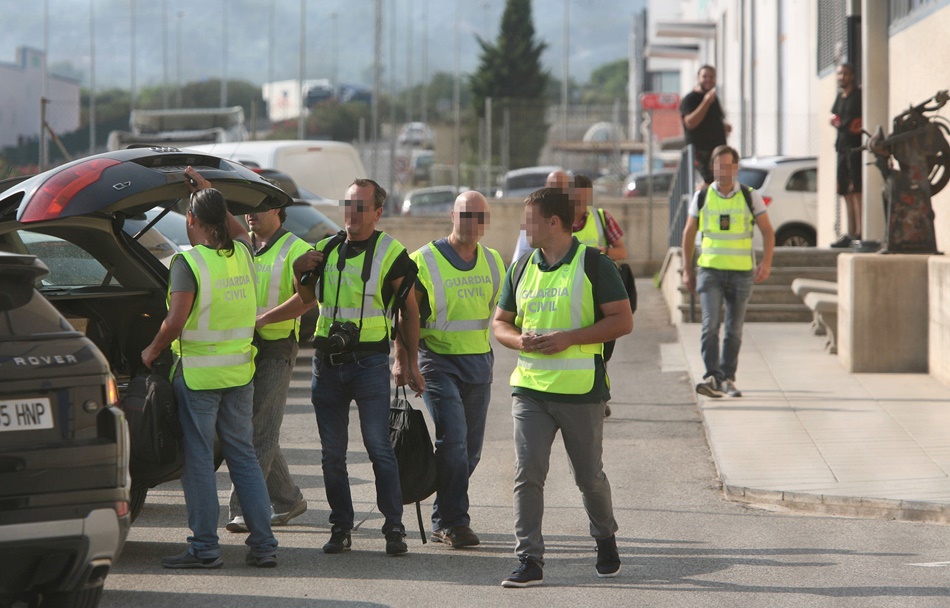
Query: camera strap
[[368, 255], [330, 245]]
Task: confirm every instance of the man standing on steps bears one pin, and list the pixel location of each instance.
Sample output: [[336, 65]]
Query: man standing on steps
[[846, 119], [725, 212], [276, 335], [457, 289]]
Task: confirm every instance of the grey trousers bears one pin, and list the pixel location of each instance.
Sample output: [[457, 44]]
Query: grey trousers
[[271, 383], [582, 430]]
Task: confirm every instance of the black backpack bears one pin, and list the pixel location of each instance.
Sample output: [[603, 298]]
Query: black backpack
[[418, 472], [152, 414]]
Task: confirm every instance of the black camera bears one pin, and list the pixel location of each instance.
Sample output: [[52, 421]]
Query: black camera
[[342, 336]]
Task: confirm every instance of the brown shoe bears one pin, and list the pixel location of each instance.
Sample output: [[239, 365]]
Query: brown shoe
[[457, 537]]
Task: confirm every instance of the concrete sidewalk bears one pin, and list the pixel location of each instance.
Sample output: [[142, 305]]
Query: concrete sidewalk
[[811, 436]]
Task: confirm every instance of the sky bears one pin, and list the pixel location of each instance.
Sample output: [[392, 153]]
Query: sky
[[598, 33]]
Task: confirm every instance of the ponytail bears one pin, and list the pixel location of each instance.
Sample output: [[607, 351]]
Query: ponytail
[[209, 207]]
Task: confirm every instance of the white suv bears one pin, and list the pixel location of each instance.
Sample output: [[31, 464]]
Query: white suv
[[789, 185]]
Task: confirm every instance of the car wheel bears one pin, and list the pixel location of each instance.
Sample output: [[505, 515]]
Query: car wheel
[[795, 236], [87, 597], [136, 502]]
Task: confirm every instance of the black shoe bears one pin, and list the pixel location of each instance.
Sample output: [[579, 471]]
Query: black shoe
[[608, 560], [265, 561], [843, 243], [395, 543], [189, 560], [339, 540], [710, 387], [528, 574], [457, 536]]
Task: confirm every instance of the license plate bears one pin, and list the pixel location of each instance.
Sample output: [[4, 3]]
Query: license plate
[[26, 414]]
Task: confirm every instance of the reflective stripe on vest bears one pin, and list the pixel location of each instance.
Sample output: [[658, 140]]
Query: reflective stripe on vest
[[558, 300], [458, 325], [275, 283], [376, 325], [214, 348], [731, 248], [594, 233]]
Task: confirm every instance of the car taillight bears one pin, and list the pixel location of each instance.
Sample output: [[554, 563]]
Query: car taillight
[[56, 193], [768, 200], [112, 392]]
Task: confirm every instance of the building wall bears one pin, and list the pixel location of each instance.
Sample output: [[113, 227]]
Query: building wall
[[21, 89]]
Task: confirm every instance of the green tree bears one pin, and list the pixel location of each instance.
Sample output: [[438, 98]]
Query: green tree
[[608, 82], [510, 73]]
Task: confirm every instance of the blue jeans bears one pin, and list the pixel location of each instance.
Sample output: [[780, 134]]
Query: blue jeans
[[271, 383], [334, 386], [229, 412], [459, 410], [715, 288]]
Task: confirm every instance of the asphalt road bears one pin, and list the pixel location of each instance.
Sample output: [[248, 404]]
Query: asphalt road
[[681, 543]]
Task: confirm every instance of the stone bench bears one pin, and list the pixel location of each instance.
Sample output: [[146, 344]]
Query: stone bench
[[803, 287], [825, 307]]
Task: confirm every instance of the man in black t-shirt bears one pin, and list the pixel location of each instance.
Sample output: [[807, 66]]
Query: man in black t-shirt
[[846, 118], [704, 121]]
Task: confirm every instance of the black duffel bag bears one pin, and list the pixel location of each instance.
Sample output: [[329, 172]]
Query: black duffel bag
[[152, 414], [418, 473]]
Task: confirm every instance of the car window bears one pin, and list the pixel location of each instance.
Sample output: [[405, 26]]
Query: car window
[[805, 180], [754, 178], [309, 224], [526, 181], [35, 316], [69, 264]]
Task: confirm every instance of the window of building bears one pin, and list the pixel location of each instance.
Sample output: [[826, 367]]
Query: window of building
[[832, 33]]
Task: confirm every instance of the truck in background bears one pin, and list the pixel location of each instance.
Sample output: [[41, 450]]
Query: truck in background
[[326, 168], [181, 128]]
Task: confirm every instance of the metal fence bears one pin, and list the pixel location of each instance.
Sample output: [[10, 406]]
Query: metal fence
[[684, 185]]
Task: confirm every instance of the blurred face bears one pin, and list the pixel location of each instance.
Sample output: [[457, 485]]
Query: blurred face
[[537, 228], [707, 79], [582, 198], [558, 179], [725, 168], [263, 223], [470, 217], [845, 77], [360, 213]]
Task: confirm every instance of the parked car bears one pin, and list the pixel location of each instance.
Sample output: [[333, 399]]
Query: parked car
[[416, 134], [167, 236], [637, 184], [789, 186], [435, 200], [64, 449], [114, 289], [519, 183], [286, 183]]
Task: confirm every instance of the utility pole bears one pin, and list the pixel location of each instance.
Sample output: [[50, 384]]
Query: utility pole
[[302, 68]]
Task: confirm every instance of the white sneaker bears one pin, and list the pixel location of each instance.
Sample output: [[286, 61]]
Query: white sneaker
[[237, 525], [729, 388]]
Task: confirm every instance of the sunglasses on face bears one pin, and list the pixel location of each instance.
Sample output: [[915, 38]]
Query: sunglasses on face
[[481, 216], [357, 205]]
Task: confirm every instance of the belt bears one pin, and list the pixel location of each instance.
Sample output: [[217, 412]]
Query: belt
[[347, 357]]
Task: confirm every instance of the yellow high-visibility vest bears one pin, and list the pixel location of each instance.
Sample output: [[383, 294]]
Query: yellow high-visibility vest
[[461, 303], [726, 224], [214, 349], [275, 283]]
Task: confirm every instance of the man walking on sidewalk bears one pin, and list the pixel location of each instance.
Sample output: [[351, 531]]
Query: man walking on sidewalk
[[725, 212], [457, 290], [276, 335], [557, 310]]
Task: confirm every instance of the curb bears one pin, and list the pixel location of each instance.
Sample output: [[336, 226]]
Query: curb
[[845, 506]]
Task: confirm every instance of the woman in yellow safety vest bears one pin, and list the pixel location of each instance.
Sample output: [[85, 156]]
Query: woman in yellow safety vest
[[212, 307]]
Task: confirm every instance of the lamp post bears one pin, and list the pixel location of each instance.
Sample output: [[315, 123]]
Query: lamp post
[[302, 68], [164, 54], [224, 53], [92, 76], [335, 55], [564, 76], [181, 15]]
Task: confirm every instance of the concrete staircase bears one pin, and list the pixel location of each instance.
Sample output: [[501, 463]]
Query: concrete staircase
[[773, 301]]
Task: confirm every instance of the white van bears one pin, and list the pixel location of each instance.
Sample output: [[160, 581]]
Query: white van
[[326, 168]]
